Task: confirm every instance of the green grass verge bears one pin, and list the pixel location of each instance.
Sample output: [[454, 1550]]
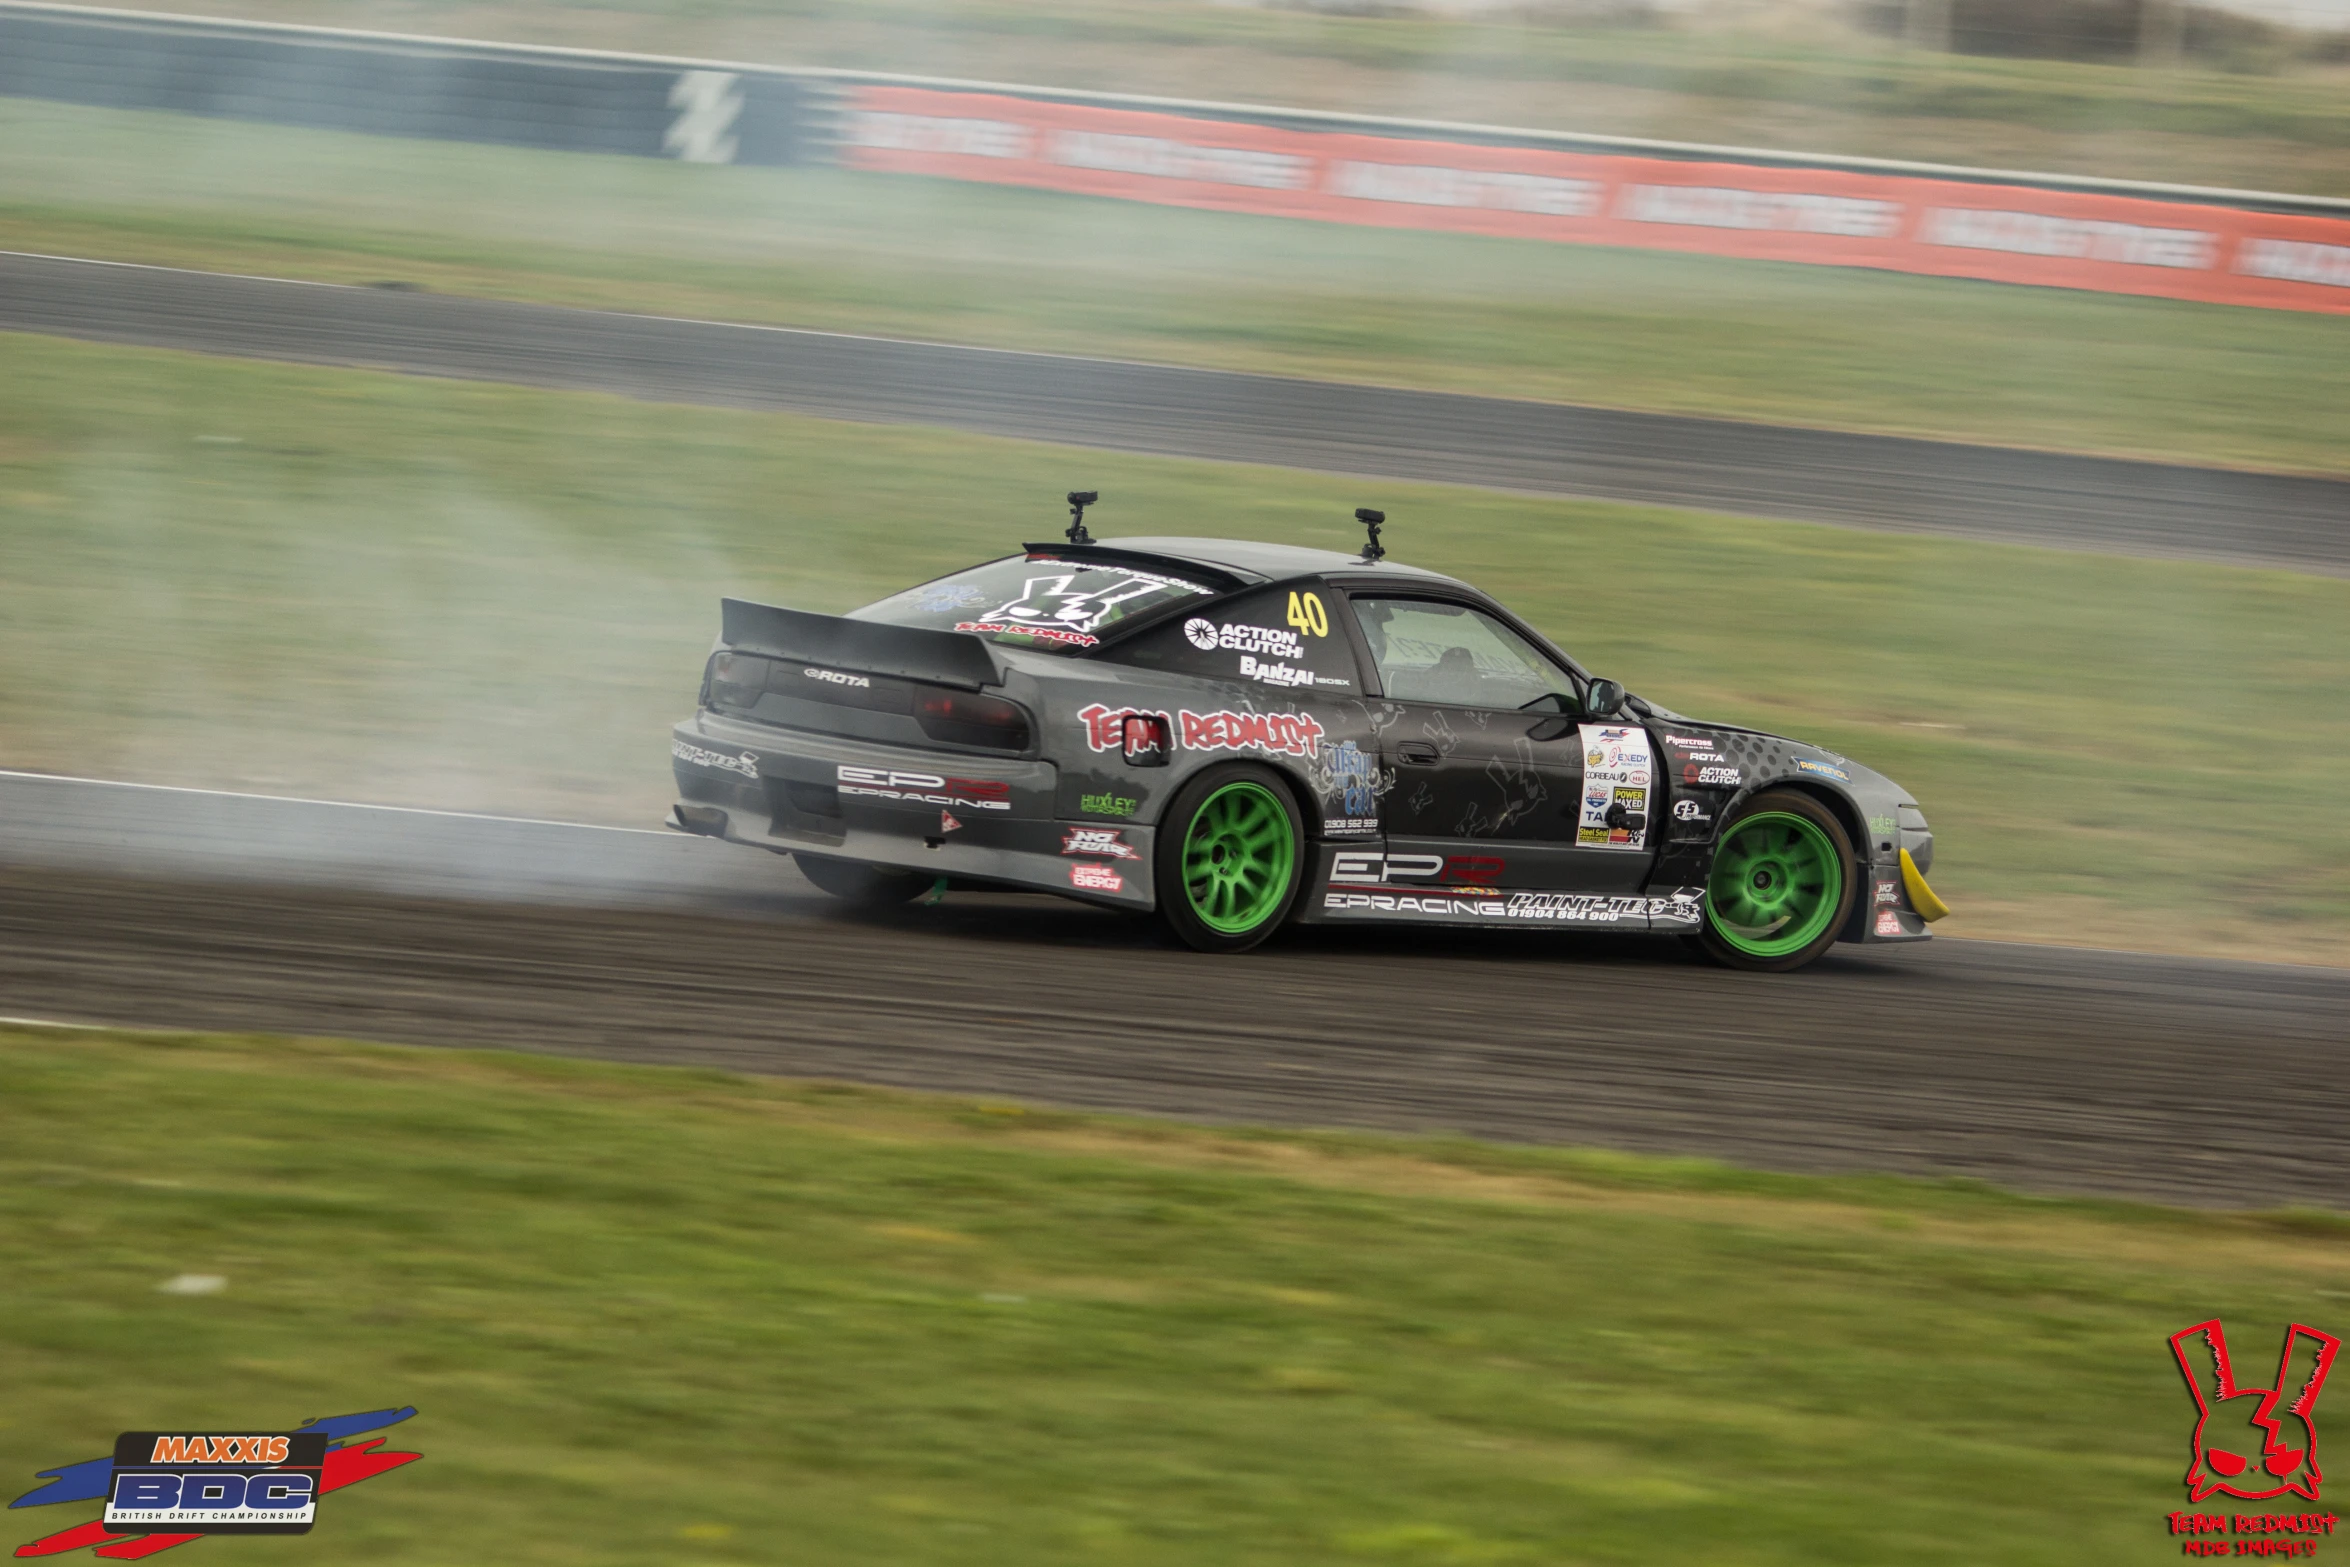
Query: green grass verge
[[657, 1316], [1752, 340], [441, 593]]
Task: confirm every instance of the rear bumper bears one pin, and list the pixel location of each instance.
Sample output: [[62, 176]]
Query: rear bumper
[[953, 814]]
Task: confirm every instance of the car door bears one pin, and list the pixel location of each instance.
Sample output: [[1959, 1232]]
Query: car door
[[1496, 783]]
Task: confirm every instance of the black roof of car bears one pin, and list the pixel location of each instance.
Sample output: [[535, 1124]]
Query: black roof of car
[[1270, 562]]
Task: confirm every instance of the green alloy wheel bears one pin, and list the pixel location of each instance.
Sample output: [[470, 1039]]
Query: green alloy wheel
[[1236, 860], [1781, 886]]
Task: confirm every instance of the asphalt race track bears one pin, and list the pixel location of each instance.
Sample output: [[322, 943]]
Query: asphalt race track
[[1877, 482], [2041, 1068]]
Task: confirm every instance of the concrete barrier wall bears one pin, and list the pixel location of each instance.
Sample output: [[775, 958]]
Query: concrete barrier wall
[[391, 87]]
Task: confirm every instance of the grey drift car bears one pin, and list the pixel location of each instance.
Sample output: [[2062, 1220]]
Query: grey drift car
[[1239, 735]]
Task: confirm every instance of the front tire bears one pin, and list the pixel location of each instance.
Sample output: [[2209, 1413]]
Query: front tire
[[861, 885], [1229, 859], [1782, 885]]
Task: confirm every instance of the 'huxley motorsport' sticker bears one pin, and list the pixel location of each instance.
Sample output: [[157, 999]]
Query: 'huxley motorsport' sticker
[[165, 1488]]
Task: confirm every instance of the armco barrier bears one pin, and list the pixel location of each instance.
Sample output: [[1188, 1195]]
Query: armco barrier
[[2013, 233], [402, 87], [2281, 252]]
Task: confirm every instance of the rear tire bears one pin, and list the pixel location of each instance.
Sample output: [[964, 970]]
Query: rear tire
[[861, 885], [1229, 859], [1782, 885]]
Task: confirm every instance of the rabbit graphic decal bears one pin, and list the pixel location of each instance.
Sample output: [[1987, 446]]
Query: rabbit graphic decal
[[2254, 1442]]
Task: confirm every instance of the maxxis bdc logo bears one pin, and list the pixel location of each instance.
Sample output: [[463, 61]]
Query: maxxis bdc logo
[[165, 1488]]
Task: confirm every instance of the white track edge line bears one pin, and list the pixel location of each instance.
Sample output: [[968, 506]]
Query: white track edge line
[[12, 774]]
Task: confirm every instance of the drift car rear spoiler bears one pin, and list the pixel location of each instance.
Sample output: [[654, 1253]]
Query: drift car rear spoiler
[[950, 658]]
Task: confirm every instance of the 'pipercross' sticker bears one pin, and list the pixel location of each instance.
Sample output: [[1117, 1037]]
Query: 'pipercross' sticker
[[1292, 734], [975, 794], [1616, 770], [745, 764]]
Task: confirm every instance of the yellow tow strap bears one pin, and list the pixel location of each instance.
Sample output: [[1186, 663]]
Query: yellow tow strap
[[1921, 896]]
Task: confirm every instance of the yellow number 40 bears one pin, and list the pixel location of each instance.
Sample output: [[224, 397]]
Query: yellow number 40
[[1307, 614]]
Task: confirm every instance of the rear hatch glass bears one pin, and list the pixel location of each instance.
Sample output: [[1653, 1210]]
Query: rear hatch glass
[[1052, 606]]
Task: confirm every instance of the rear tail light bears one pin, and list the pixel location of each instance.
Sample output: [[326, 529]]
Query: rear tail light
[[969, 718], [736, 680]]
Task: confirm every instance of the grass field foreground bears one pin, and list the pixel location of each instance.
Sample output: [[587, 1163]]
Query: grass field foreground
[[373, 587], [661, 1316], [1773, 342]]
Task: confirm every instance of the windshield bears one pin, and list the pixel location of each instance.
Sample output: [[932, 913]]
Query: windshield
[[1056, 606]]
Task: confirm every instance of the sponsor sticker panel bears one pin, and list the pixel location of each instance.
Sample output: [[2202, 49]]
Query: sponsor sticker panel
[[1618, 775]]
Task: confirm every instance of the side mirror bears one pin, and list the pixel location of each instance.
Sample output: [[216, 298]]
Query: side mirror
[[1143, 737], [1604, 698]]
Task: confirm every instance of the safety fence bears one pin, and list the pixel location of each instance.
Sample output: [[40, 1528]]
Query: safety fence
[[2281, 252]]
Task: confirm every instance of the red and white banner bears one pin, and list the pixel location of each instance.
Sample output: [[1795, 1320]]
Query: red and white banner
[[1834, 217]]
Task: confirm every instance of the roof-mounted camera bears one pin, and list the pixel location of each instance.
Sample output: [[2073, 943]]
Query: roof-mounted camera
[[1372, 548], [1078, 501]]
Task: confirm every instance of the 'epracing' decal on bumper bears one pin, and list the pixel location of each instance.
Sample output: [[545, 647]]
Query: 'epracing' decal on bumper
[[976, 794]]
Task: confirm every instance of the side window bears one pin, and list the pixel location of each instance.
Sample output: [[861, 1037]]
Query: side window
[[1280, 638], [1431, 652]]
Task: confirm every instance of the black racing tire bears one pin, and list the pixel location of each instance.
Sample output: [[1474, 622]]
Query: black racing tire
[[861, 885], [1230, 858], [1781, 888]]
